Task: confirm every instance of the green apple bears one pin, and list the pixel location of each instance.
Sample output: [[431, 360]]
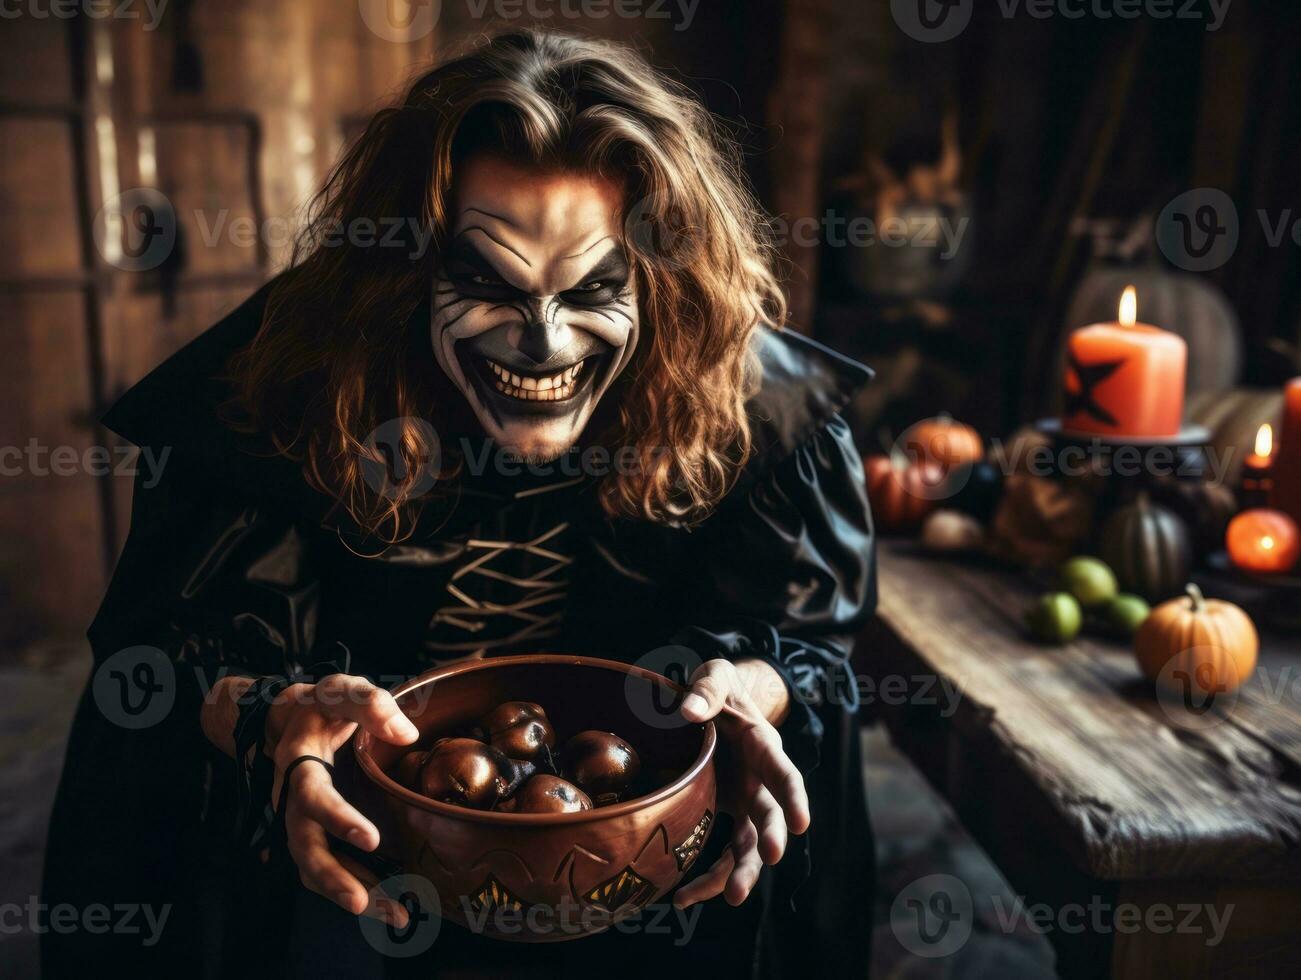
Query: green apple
[[1125, 614], [1055, 618], [1089, 580]]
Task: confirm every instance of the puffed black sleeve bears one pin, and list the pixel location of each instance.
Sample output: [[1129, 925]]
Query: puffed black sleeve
[[207, 583], [217, 582], [785, 571]]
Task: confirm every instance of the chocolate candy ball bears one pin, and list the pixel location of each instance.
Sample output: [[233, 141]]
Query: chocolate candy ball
[[466, 773], [408, 769], [520, 729], [602, 764], [544, 793]]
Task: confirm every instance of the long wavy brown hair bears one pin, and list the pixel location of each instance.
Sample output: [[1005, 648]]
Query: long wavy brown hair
[[338, 352]]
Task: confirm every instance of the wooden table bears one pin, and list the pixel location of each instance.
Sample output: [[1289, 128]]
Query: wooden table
[[1084, 788]]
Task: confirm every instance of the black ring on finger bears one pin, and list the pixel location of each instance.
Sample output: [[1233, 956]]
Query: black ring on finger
[[281, 835]]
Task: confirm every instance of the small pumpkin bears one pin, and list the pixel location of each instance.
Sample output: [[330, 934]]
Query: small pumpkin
[[944, 441], [901, 494], [1194, 641], [1149, 549]]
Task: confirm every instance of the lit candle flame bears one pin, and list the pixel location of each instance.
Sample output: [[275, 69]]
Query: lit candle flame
[[1265, 440], [1267, 543], [1129, 307]]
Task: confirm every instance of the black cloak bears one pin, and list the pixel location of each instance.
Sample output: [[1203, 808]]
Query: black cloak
[[233, 562]]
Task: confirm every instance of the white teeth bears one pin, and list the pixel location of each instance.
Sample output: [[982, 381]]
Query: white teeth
[[555, 387]]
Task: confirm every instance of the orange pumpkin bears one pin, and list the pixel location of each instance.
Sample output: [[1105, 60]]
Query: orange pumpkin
[[1263, 541], [1193, 640], [943, 441], [901, 494]]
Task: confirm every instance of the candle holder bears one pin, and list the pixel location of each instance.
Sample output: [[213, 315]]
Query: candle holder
[[1186, 450], [1276, 597]]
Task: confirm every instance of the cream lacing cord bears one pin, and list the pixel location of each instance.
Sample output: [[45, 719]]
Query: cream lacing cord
[[540, 590]]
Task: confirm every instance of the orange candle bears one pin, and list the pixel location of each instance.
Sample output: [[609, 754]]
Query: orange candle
[[1286, 492], [1263, 541], [1256, 479], [1125, 378]]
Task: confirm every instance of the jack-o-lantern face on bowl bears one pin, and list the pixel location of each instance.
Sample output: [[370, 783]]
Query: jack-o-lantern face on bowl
[[542, 877]]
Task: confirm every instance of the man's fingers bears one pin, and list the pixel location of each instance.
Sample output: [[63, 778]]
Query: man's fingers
[[379, 905], [710, 686], [319, 870], [764, 751], [745, 875], [771, 824], [350, 698], [314, 797], [708, 885]]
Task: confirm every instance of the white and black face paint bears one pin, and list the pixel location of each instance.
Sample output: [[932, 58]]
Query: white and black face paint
[[534, 307]]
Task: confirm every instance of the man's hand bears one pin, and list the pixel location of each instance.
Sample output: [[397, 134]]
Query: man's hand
[[763, 791], [317, 719]]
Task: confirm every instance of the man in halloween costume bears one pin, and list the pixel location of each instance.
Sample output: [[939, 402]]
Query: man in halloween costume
[[557, 412]]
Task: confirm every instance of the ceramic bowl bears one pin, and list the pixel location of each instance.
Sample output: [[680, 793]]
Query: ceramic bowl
[[530, 877]]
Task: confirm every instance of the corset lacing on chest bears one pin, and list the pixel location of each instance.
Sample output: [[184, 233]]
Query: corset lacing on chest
[[537, 610]]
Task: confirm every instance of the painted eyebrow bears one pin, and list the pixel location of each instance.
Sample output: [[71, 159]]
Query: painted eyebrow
[[495, 217], [467, 251], [576, 255], [490, 236], [612, 263]]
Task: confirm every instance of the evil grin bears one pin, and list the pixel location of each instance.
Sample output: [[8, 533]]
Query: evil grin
[[534, 310]]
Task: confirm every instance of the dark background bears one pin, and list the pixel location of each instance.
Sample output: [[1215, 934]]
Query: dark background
[[1060, 140]]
